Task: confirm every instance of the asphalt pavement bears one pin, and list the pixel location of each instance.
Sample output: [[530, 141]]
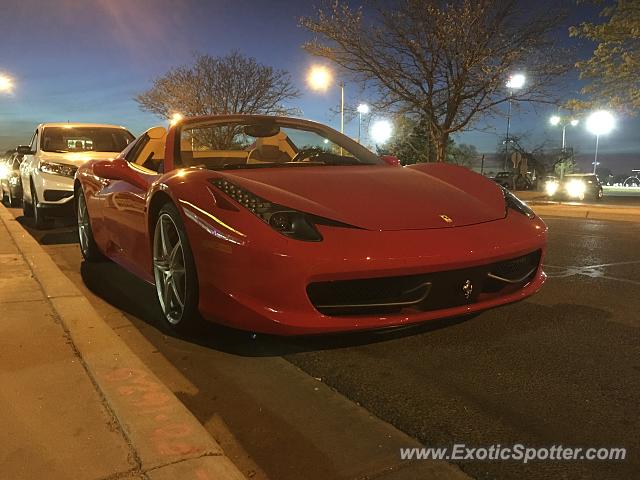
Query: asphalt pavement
[[562, 367]]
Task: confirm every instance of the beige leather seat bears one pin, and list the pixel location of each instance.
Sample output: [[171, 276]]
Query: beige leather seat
[[269, 150]]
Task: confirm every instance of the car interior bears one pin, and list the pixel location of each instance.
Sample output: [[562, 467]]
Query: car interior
[[277, 148]]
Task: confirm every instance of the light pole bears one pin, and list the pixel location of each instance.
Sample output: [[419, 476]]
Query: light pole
[[319, 78], [515, 82], [599, 123], [556, 120], [363, 109]]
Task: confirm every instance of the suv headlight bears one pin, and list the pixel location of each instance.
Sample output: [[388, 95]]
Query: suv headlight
[[514, 203], [58, 169], [287, 221]]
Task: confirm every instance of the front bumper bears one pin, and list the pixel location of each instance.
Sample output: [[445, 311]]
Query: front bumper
[[262, 286], [55, 194]]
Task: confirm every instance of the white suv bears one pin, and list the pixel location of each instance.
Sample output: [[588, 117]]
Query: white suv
[[51, 161]]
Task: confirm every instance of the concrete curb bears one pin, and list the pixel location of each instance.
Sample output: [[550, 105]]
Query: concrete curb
[[597, 212], [167, 439]]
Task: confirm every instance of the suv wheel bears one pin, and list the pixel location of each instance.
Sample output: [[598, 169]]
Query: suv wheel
[[40, 218]]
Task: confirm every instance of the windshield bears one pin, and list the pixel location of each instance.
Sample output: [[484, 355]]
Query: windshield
[[266, 145], [84, 139]]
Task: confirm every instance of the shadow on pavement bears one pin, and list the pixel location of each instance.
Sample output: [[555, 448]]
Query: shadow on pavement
[[62, 231], [128, 293]]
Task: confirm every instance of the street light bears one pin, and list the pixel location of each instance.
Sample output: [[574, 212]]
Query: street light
[[515, 82], [363, 109], [6, 84], [319, 78], [556, 120], [599, 123], [381, 131], [176, 118]]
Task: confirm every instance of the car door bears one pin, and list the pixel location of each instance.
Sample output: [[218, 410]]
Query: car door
[[125, 213], [27, 166]]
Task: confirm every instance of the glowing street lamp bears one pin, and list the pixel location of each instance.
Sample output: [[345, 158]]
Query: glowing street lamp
[[320, 78], [599, 123], [176, 118], [515, 82], [363, 109], [381, 131], [6, 84]]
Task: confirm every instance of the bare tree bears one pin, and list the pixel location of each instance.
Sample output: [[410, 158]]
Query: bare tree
[[445, 63], [220, 85]]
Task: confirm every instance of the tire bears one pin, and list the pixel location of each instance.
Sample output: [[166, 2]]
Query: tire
[[40, 218], [598, 195], [27, 207], [177, 292], [88, 246], [14, 202]]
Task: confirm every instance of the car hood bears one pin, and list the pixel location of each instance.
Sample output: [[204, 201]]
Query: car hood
[[76, 158], [376, 197]]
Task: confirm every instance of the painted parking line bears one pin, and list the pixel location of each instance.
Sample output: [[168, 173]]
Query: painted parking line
[[593, 271]]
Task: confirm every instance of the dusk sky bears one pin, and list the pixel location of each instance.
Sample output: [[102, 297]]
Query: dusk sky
[[86, 60]]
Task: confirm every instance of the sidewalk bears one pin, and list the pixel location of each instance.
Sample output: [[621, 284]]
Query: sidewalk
[[540, 204], [75, 402]]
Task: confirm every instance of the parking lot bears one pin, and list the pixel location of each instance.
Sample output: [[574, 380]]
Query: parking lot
[[559, 368]]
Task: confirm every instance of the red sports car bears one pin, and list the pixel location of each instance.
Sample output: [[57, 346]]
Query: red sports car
[[285, 226]]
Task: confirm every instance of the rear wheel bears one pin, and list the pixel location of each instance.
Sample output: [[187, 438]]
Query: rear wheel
[[88, 246], [13, 201], [174, 270]]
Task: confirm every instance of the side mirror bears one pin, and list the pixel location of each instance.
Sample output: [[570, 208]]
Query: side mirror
[[119, 169], [391, 160], [24, 149]]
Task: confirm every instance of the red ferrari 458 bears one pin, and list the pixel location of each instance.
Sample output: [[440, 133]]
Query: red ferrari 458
[[285, 226]]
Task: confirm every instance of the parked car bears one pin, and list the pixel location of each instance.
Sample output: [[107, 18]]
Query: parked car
[[576, 186], [10, 183], [51, 161], [504, 179], [511, 180], [285, 226]]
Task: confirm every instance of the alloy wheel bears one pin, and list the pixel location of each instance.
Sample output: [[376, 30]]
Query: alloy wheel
[[169, 268], [83, 225]]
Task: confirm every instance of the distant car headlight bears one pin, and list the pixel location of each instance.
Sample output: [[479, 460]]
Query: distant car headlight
[[576, 188], [551, 188], [4, 171], [514, 203], [287, 221], [58, 169]]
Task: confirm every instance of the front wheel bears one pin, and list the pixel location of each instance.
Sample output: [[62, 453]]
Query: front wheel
[[174, 270], [599, 195], [40, 218]]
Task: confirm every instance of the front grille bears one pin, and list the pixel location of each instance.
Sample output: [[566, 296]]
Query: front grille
[[56, 195], [422, 292]]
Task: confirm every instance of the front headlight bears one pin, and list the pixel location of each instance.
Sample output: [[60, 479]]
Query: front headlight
[[287, 221], [4, 171], [576, 188], [58, 169], [551, 188], [514, 203]]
